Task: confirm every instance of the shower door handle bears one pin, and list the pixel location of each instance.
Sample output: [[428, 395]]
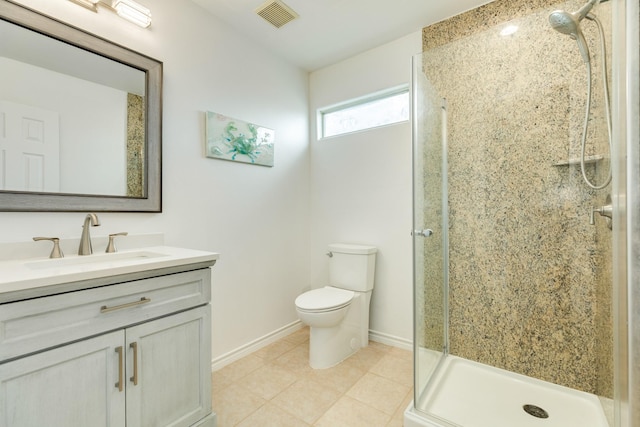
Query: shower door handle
[[427, 232]]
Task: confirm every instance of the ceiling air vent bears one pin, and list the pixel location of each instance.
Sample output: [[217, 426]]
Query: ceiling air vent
[[276, 13]]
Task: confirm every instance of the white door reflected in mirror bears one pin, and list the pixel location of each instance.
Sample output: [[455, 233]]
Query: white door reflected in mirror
[[29, 148]]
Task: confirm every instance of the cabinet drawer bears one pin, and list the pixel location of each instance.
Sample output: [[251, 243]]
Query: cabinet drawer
[[37, 324]]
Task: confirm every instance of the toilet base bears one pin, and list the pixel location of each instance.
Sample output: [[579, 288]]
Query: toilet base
[[336, 335], [330, 346]]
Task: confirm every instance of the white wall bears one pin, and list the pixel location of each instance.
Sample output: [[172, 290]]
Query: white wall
[[361, 184], [256, 217]]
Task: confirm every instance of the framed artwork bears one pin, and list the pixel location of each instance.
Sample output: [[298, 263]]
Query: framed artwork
[[238, 141]]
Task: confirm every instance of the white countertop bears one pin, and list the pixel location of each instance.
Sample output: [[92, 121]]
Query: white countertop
[[21, 275]]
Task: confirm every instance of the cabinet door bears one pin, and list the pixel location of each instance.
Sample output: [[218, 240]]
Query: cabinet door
[[172, 368], [70, 386]]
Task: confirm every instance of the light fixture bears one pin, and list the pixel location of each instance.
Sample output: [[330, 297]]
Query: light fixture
[[89, 4], [133, 12], [126, 9]]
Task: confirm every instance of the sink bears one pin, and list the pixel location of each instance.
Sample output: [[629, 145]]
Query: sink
[[93, 259]]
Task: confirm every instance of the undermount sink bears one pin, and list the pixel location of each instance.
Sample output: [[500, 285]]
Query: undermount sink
[[93, 259]]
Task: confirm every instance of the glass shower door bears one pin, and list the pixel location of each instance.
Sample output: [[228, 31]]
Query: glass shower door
[[430, 228]]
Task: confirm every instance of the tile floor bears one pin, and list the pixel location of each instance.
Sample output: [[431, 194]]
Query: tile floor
[[275, 387]]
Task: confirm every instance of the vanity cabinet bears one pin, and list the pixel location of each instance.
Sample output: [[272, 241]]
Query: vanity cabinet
[[68, 386], [134, 354]]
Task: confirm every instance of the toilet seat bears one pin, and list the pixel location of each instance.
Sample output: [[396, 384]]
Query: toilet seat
[[324, 299]]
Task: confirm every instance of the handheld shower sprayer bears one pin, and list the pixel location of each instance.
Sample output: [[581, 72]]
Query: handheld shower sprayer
[[569, 23]]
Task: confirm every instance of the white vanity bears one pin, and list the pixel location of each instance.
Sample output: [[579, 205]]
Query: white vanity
[[112, 340]]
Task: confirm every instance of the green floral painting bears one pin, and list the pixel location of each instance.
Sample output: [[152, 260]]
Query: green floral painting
[[239, 141]]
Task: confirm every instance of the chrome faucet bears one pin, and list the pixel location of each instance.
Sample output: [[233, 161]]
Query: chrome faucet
[[85, 240]]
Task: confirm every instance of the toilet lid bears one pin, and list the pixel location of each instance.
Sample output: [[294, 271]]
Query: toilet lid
[[324, 299]]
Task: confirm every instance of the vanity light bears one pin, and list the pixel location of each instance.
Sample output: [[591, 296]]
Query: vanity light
[[133, 12], [89, 4], [126, 9]]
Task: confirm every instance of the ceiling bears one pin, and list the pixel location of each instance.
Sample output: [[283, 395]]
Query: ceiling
[[329, 31]]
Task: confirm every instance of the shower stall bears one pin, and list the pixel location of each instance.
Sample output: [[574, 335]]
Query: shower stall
[[526, 276]]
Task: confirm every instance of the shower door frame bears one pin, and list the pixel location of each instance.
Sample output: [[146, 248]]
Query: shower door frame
[[626, 231], [440, 230]]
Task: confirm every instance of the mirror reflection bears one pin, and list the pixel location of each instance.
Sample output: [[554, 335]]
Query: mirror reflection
[[71, 121]]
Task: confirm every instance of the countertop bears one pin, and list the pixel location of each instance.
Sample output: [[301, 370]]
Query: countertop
[[32, 277]]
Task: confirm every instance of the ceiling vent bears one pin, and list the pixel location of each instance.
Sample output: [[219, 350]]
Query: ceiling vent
[[276, 13]]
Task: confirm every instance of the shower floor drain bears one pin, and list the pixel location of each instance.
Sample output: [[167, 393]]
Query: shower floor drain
[[535, 411]]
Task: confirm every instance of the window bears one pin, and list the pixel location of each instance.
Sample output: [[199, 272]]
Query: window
[[371, 111]]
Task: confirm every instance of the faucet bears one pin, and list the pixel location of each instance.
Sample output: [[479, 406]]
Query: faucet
[[85, 240]]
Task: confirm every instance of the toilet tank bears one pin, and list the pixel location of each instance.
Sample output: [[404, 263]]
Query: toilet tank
[[352, 266]]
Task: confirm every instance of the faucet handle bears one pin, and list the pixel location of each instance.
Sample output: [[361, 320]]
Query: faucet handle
[[592, 215], [111, 247], [605, 211], [56, 252]]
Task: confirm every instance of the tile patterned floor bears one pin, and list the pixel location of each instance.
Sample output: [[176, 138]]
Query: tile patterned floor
[[275, 387]]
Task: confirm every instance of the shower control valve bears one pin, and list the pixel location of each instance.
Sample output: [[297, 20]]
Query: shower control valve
[[605, 211]]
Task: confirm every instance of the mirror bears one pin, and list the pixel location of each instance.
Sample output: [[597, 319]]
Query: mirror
[[80, 119]]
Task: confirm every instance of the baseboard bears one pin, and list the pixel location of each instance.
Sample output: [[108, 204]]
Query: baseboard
[[391, 340], [255, 345], [240, 352]]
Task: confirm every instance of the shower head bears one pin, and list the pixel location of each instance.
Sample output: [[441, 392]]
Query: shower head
[[564, 22], [569, 24]]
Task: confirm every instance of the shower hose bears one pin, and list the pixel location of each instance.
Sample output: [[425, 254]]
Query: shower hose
[[585, 127]]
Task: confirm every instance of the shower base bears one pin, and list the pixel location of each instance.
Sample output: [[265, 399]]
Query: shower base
[[470, 394]]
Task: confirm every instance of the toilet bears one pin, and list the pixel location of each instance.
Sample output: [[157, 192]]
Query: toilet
[[338, 314]]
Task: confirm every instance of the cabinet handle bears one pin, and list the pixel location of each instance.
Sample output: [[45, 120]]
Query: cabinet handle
[[105, 309], [120, 384], [134, 378]]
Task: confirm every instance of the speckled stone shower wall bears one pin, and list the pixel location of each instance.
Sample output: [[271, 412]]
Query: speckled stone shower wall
[[428, 185], [135, 145], [530, 278]]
